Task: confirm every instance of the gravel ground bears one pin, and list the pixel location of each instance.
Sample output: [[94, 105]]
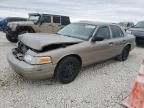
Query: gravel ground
[[101, 85]]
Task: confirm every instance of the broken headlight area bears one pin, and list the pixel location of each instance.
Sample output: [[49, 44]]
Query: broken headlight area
[[22, 48], [17, 54], [20, 51]]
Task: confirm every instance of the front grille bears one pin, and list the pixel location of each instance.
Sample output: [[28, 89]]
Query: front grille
[[22, 48], [18, 55]]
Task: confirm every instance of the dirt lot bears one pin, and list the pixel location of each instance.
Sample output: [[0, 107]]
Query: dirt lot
[[101, 85]]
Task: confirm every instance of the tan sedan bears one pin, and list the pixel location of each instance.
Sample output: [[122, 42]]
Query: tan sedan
[[61, 55]]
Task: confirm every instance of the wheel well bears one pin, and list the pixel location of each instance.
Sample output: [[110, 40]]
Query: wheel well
[[72, 55], [22, 28], [129, 45]]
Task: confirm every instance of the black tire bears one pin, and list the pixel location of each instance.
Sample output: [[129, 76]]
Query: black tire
[[12, 37], [68, 69], [124, 55]]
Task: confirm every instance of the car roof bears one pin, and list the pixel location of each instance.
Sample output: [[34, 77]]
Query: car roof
[[97, 23], [14, 18], [46, 14]]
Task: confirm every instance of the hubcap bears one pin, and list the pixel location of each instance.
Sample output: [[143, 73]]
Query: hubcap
[[68, 71], [125, 54]]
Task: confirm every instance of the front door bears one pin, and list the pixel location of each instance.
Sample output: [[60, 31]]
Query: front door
[[46, 26], [101, 50]]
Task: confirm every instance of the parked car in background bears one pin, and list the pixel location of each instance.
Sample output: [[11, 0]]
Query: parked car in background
[[61, 55], [46, 23], [5, 21], [0, 27], [138, 32], [126, 25]]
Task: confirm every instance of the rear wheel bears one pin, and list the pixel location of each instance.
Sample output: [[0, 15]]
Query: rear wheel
[[12, 37], [124, 55], [68, 69]]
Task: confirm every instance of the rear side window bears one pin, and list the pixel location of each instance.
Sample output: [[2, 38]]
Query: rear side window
[[65, 20], [116, 31], [56, 19], [103, 32], [47, 19]]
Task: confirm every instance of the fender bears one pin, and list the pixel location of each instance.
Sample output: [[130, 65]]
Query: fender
[[24, 28]]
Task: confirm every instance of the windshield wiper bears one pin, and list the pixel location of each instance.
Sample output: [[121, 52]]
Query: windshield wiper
[[62, 34], [58, 33]]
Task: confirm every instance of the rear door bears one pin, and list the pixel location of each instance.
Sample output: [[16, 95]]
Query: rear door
[[118, 39]]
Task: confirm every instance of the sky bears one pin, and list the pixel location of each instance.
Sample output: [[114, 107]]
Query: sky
[[94, 10]]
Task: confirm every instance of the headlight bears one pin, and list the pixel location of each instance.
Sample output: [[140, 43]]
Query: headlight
[[37, 60], [129, 32]]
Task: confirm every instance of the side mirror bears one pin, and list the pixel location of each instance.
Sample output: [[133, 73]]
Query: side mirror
[[97, 39]]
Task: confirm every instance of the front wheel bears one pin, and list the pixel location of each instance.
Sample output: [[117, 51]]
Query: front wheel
[[12, 37], [68, 69]]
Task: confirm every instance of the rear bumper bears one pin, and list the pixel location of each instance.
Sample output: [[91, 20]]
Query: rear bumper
[[30, 71]]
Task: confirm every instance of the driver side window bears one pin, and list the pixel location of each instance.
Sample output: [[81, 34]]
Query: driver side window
[[103, 32]]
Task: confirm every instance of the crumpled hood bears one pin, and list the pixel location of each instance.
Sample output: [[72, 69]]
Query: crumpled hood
[[39, 40], [21, 23], [137, 31]]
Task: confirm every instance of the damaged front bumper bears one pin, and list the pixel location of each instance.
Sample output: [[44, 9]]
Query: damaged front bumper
[[30, 71]]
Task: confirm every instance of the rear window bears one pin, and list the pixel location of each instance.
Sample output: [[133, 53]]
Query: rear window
[[116, 31], [56, 19], [65, 20], [47, 19]]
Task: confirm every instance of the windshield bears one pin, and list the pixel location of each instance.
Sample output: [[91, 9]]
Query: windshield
[[78, 30], [140, 25], [34, 17]]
